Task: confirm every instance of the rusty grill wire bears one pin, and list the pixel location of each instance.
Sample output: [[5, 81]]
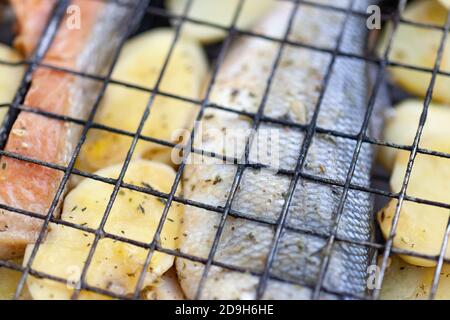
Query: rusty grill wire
[[146, 9]]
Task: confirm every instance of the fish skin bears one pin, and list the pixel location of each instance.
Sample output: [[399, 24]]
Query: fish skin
[[294, 94], [32, 187]]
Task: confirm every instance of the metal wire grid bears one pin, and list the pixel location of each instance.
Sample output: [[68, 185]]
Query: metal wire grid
[[258, 118]]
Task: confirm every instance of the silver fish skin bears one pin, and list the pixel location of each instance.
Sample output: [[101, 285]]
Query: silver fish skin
[[95, 57], [293, 96]]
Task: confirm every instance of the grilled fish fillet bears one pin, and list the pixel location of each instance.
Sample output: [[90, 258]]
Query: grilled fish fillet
[[87, 49], [261, 194], [31, 16]]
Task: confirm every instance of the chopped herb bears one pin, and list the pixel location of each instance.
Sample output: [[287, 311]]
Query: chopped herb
[[209, 116], [145, 184], [74, 208], [141, 208], [84, 209], [171, 220], [217, 180], [3, 165], [251, 237], [163, 201]]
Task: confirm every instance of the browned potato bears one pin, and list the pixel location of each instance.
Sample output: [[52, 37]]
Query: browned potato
[[421, 227], [115, 264], [10, 77], [445, 3], [401, 126], [418, 46], [140, 63], [8, 282], [407, 282], [218, 12]]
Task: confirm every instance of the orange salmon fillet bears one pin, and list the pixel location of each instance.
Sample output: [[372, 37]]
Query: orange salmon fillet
[[22, 184], [32, 16]]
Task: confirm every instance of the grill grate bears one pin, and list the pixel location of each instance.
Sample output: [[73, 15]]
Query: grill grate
[[152, 11]]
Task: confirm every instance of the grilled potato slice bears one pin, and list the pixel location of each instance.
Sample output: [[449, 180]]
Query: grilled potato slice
[[218, 12], [418, 46], [421, 227], [445, 3], [407, 282], [10, 77], [402, 123], [8, 283], [140, 64], [115, 265]]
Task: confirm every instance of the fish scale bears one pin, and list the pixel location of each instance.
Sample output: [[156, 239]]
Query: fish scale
[[294, 94]]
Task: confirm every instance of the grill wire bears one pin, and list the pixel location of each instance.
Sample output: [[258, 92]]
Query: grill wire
[[147, 10]]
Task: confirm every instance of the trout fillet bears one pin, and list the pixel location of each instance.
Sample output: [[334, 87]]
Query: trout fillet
[[293, 96], [84, 47]]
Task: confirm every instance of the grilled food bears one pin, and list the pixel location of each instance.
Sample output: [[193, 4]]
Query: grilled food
[[421, 227], [293, 96], [406, 282], [116, 266], [218, 12], [123, 108], [445, 3], [418, 46], [168, 288], [10, 79], [31, 16], [402, 123], [27, 186], [8, 279]]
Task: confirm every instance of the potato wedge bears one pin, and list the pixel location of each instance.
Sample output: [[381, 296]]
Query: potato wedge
[[10, 77], [418, 46], [401, 126], [218, 12], [421, 227], [116, 265], [445, 3], [140, 64], [406, 282]]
